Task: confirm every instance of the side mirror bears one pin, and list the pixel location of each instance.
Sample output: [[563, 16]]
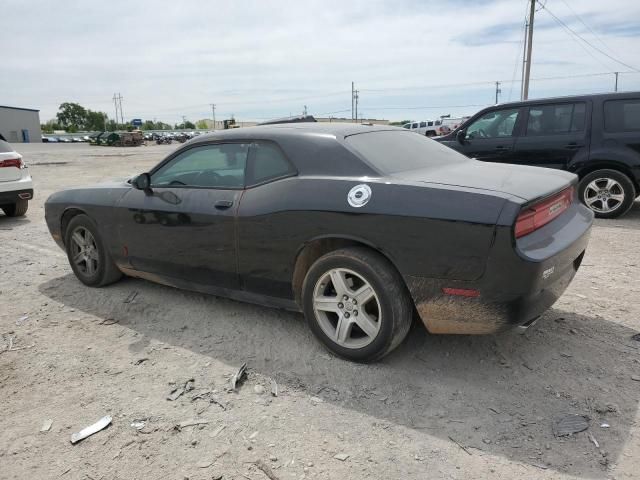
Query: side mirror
[[142, 182], [461, 136]]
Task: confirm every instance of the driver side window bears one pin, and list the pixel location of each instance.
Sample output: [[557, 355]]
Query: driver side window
[[208, 166], [497, 124]]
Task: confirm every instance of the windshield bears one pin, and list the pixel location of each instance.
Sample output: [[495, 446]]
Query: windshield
[[393, 151]]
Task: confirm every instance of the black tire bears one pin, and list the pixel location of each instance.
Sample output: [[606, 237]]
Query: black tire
[[106, 272], [17, 209], [395, 303], [624, 184], [430, 133]]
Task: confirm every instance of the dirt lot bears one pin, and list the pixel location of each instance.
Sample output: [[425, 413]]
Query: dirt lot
[[439, 407]]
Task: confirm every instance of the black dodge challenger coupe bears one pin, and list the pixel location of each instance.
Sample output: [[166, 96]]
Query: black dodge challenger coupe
[[357, 226]]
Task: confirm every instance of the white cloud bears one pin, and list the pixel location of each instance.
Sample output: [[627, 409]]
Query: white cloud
[[263, 59]]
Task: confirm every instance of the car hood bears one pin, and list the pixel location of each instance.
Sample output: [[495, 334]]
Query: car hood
[[524, 182]]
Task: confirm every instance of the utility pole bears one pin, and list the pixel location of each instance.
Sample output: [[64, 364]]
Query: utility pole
[[616, 87], [356, 97], [115, 103], [213, 112], [121, 112], [498, 91], [352, 98], [528, 48], [304, 111], [184, 120]]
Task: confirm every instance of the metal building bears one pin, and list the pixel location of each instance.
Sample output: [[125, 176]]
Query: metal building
[[20, 125]]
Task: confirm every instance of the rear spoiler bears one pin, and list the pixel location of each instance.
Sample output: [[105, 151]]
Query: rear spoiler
[[298, 119]]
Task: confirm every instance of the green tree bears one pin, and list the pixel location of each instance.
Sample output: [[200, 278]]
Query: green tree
[[188, 124], [72, 116], [400, 123], [95, 121], [148, 125], [202, 125]]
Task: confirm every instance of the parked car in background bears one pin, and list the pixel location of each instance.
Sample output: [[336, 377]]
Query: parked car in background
[[450, 124], [16, 186], [64, 140], [596, 137], [356, 226], [428, 128]]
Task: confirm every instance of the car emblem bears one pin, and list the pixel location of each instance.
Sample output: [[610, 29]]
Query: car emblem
[[548, 272], [359, 195]]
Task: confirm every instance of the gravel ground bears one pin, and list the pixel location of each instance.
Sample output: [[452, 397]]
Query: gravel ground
[[438, 407]]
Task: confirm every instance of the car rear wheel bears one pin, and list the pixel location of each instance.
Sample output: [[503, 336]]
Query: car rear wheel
[[356, 304], [17, 209], [88, 257], [609, 193]]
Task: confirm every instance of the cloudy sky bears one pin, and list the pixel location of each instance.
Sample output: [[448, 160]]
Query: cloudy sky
[[264, 59]]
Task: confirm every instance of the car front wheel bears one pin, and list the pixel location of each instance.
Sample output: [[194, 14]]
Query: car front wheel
[[609, 193], [356, 304], [88, 257]]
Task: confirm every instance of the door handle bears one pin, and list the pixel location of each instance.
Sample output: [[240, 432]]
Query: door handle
[[502, 149], [223, 204], [572, 146]]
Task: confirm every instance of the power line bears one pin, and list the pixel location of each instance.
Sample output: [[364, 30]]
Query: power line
[[586, 41], [575, 14]]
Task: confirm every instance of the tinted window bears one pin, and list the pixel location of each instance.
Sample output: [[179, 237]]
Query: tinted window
[[267, 162], [406, 125], [622, 115], [5, 147], [555, 119], [496, 124], [430, 124], [214, 166], [392, 152], [423, 124], [415, 125]]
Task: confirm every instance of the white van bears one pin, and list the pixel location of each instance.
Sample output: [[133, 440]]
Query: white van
[[426, 127]]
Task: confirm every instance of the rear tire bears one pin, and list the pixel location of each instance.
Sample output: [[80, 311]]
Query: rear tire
[[87, 253], [609, 193], [352, 321], [17, 209]]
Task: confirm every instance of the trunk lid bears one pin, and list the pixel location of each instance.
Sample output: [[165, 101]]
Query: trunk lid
[[524, 182]]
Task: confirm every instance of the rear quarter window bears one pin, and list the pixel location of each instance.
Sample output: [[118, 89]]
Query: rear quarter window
[[391, 151], [622, 115], [5, 147]]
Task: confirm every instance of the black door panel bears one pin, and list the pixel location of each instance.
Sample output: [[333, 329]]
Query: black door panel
[[180, 232]]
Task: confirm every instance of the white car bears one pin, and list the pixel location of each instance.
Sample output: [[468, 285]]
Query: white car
[[16, 186], [430, 128]]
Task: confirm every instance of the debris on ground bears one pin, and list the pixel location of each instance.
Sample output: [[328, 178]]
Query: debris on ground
[[316, 400], [108, 321], [635, 378], [191, 423], [593, 439], [140, 361], [22, 319], [466, 450], [210, 396], [138, 424], [258, 390], [239, 376], [636, 337], [604, 425], [91, 429], [131, 297], [341, 456], [274, 388], [46, 425], [266, 469], [178, 391], [217, 431], [570, 424]]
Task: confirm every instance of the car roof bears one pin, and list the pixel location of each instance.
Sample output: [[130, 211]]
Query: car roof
[[337, 130], [569, 98]]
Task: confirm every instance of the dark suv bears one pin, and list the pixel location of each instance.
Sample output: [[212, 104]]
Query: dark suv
[[596, 137]]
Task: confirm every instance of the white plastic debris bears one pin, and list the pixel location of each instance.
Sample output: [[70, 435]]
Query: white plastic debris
[[90, 430]]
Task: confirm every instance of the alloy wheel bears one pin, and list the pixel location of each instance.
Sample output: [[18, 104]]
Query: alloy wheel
[[347, 308], [84, 251], [604, 195]]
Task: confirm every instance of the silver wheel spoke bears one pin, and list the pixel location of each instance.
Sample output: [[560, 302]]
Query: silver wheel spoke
[[77, 258], [339, 284], [618, 197], [591, 200], [90, 268], [78, 239], [326, 304], [93, 254], [343, 329], [364, 294], [611, 183], [367, 325], [605, 204]]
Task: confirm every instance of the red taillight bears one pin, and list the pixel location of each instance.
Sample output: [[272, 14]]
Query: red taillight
[[542, 213], [12, 162]]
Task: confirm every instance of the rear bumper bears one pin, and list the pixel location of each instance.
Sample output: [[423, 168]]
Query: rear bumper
[[521, 282], [8, 198]]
